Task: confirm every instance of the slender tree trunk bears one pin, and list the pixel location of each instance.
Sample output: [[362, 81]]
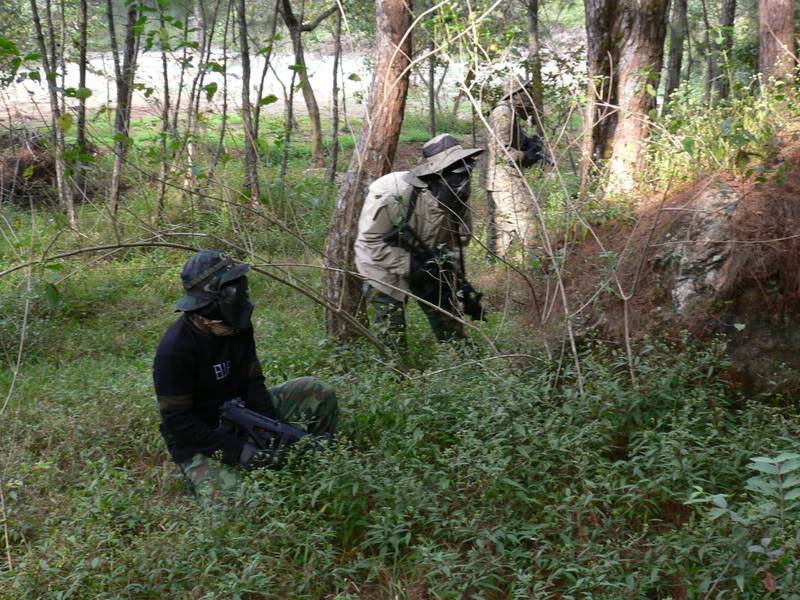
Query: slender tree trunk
[[63, 188], [431, 89], [534, 64], [711, 69], [625, 43], [677, 34], [335, 100], [726, 20], [250, 151], [267, 59], [122, 115], [372, 159], [224, 125], [296, 28], [165, 128], [776, 51], [83, 23]]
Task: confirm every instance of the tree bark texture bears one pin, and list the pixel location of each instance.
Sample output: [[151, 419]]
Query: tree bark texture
[[535, 64], [83, 25], [677, 35], [776, 39], [373, 158], [625, 45]]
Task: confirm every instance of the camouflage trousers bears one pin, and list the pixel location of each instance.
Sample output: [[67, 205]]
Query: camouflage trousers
[[511, 219], [390, 320], [306, 402]]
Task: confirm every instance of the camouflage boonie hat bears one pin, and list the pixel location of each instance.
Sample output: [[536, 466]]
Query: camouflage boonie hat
[[203, 275], [441, 152], [516, 85]]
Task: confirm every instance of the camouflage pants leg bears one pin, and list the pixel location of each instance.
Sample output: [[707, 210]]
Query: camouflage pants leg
[[209, 478], [308, 403], [514, 218], [390, 318]]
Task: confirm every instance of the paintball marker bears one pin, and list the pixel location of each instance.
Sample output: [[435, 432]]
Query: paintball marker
[[270, 436], [427, 269]]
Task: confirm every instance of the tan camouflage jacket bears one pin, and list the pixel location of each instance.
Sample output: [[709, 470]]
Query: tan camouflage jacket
[[385, 266], [506, 133]]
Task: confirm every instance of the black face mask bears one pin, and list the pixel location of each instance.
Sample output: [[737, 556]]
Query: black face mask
[[452, 187], [234, 304]]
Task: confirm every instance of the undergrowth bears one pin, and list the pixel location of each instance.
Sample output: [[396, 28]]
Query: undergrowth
[[464, 478]]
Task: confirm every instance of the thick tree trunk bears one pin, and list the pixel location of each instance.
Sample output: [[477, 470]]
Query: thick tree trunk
[[677, 34], [776, 49], [251, 184], [625, 43], [726, 19], [535, 64], [372, 159]]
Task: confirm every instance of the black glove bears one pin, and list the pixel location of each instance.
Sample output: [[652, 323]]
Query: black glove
[[533, 152], [252, 457]]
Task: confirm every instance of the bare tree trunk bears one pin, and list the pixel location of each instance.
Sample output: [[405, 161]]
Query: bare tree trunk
[[335, 100], [776, 48], [267, 59], [122, 115], [431, 89], [677, 35], [224, 125], [83, 23], [57, 127], [250, 154], [711, 74], [373, 157], [535, 64], [165, 128], [625, 51], [296, 28], [727, 17]]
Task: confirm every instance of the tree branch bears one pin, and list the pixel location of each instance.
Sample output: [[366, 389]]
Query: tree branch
[[312, 25]]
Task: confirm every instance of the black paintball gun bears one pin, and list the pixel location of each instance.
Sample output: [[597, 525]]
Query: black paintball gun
[[270, 436], [428, 266]]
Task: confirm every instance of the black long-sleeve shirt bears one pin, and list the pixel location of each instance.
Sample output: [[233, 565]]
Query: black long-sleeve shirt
[[194, 374]]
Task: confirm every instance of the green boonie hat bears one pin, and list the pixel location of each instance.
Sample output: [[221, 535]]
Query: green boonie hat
[[441, 152], [204, 274]]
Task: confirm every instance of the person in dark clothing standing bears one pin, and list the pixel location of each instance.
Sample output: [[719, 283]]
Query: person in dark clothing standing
[[208, 356]]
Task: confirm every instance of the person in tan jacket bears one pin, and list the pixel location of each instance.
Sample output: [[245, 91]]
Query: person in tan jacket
[[412, 231], [511, 214]]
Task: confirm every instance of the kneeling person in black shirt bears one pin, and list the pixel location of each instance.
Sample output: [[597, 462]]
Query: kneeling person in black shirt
[[208, 356]]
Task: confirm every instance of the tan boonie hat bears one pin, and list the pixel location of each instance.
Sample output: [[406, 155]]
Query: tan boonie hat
[[441, 152]]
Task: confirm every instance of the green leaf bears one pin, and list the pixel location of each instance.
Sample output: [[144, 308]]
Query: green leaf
[[769, 469], [54, 266], [354, 77], [739, 326], [270, 99], [650, 89], [297, 68], [33, 56], [688, 146], [210, 90], [52, 295], [719, 500], [83, 93], [34, 76], [792, 494], [28, 172], [65, 122], [783, 456], [215, 67]]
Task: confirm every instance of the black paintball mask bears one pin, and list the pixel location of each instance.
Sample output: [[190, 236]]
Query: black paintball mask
[[452, 186], [216, 288]]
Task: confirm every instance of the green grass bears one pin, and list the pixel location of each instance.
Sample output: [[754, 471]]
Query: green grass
[[464, 478]]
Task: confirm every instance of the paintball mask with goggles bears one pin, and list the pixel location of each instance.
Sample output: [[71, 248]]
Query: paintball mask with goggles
[[216, 287]]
